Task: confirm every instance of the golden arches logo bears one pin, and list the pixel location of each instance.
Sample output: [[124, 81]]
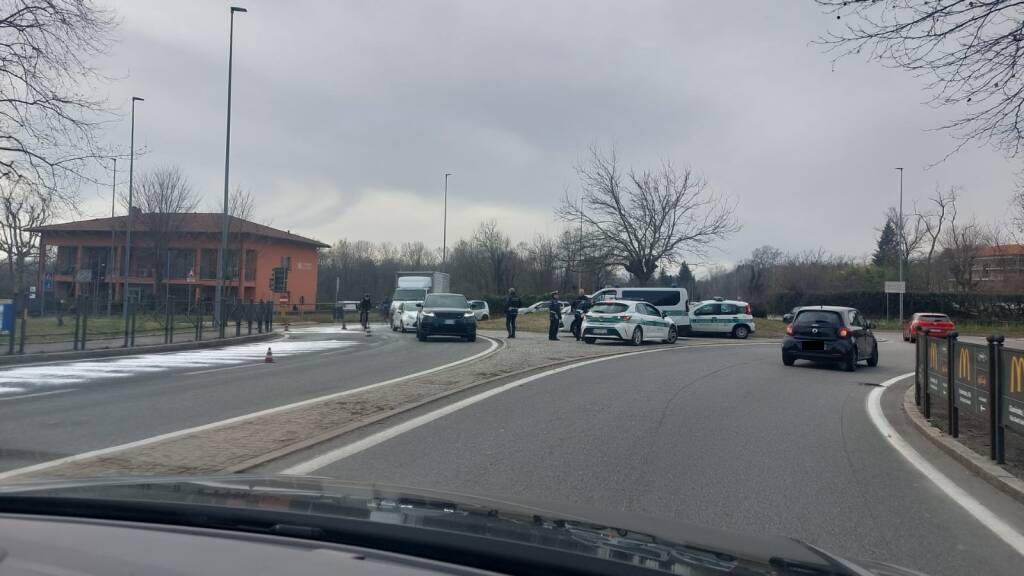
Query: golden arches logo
[[963, 366], [933, 355], [1016, 374]]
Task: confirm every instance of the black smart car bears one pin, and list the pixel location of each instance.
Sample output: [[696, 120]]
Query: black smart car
[[830, 334], [445, 315]]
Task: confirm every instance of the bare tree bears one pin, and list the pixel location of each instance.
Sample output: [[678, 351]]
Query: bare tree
[[910, 234], [23, 206], [762, 263], [163, 198], [416, 255], [961, 244], [941, 209], [496, 250], [969, 51], [47, 124], [643, 219]]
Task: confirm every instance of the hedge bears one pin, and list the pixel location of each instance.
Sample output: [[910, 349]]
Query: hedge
[[872, 303]]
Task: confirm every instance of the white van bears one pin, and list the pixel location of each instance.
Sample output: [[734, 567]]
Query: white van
[[674, 302]]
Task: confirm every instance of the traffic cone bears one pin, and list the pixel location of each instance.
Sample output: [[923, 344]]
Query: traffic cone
[[269, 358]]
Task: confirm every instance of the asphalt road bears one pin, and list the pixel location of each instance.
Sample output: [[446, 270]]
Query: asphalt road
[[55, 410], [720, 436]]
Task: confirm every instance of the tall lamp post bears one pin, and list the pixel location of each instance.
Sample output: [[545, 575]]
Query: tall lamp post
[[444, 224], [222, 251], [128, 224], [901, 255]]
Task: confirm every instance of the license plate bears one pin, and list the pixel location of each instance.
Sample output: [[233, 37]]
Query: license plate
[[449, 321], [814, 345], [602, 331]]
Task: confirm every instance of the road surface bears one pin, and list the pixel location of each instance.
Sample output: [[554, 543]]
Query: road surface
[[55, 410], [724, 437]]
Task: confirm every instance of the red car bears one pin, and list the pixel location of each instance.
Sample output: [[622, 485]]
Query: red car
[[936, 325]]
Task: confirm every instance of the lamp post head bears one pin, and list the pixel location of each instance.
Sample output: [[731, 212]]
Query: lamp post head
[[238, 9], [137, 99]]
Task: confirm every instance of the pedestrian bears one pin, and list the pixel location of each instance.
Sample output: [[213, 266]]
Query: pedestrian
[[512, 305], [365, 305], [554, 316], [580, 306]]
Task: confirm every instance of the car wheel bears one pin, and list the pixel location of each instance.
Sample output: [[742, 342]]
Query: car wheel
[[850, 363], [589, 340], [787, 359], [638, 337], [873, 359], [672, 335], [471, 337], [741, 332], [485, 318]]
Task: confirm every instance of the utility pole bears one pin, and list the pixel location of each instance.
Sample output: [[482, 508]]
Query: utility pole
[[113, 242], [444, 225], [901, 255], [128, 224]]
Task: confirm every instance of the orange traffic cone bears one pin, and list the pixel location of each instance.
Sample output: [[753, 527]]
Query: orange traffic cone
[[269, 358]]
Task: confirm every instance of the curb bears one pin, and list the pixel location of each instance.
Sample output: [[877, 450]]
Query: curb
[[987, 470], [48, 357]]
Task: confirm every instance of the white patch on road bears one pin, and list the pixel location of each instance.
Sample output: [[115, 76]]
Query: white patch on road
[[26, 378], [333, 456], [333, 329], [186, 431], [989, 519]]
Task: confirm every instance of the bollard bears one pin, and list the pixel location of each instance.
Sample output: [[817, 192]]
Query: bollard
[[133, 326], [952, 411], [78, 324], [171, 323], [993, 391], [999, 440], [85, 328], [917, 366], [927, 397], [24, 329]]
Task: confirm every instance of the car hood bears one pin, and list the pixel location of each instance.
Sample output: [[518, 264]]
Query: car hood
[[460, 310], [617, 537]]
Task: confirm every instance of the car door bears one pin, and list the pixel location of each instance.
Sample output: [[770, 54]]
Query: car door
[[859, 331], [728, 316], [652, 321], [704, 317]]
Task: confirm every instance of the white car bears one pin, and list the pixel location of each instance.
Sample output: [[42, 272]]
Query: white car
[[628, 320], [720, 316], [480, 309], [404, 316]]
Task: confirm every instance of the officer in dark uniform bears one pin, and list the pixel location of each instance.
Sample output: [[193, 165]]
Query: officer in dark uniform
[[579, 307], [554, 316], [512, 305], [365, 305]]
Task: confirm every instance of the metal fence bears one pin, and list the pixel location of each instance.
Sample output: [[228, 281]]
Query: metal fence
[[79, 326], [980, 386]]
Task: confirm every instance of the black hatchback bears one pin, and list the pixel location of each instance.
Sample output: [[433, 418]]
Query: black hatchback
[[829, 334], [445, 315]]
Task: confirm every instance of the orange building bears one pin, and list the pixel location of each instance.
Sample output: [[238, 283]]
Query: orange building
[[86, 258]]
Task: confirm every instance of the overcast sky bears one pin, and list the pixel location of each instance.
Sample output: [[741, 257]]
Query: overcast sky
[[347, 113]]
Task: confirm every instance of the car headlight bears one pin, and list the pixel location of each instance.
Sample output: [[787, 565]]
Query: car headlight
[[468, 315]]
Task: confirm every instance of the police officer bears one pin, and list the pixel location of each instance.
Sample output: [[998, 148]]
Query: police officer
[[512, 305], [365, 305], [554, 316], [579, 307]]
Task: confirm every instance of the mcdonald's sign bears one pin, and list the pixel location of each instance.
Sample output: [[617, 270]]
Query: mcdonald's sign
[[933, 356], [1016, 374], [963, 365]]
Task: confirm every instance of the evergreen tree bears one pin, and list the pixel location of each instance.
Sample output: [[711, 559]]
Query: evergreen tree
[[888, 251]]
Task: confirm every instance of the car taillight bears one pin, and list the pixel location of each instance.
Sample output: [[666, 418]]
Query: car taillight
[[748, 312], [843, 332], [789, 329], [626, 318]]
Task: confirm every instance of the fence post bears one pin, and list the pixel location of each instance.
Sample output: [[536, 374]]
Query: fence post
[[248, 315], [993, 391], [238, 318], [132, 341], [199, 325], [170, 312], [270, 316], [24, 326], [127, 322], [78, 320], [917, 366], [85, 325], [927, 399], [952, 411], [14, 323], [997, 406]]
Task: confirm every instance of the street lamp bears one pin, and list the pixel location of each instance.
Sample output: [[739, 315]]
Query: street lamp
[[128, 224], [222, 251], [113, 243], [444, 225], [900, 255]]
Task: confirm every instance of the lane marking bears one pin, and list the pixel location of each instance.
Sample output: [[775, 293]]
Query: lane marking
[[221, 369], [51, 392], [372, 440], [220, 423], [971, 505]]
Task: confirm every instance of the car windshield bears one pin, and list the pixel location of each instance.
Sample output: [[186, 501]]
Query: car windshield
[[445, 301], [818, 316], [610, 308], [237, 240]]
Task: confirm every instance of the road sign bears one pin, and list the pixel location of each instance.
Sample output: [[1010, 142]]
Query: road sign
[[895, 287], [1012, 376], [6, 318], [972, 377]]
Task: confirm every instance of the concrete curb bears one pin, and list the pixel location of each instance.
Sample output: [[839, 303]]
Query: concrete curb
[[48, 357], [983, 467]]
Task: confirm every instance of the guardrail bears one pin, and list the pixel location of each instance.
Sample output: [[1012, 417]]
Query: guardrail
[[981, 384]]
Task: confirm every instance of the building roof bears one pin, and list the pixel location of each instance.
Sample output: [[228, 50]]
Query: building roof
[[192, 222], [1003, 250]]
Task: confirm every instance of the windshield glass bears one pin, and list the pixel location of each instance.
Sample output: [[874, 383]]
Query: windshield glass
[[406, 294], [445, 301], [217, 218], [609, 308]]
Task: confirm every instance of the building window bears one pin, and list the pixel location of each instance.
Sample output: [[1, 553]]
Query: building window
[[250, 265], [142, 260], [66, 256], [208, 264], [180, 262]]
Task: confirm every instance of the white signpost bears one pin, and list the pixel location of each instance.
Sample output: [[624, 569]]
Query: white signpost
[[895, 287]]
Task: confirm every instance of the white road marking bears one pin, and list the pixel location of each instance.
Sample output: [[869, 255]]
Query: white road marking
[[989, 519], [343, 452], [24, 378], [186, 431], [51, 392], [220, 369]]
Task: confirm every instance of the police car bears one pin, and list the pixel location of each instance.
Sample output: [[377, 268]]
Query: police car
[[721, 316], [627, 320]]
